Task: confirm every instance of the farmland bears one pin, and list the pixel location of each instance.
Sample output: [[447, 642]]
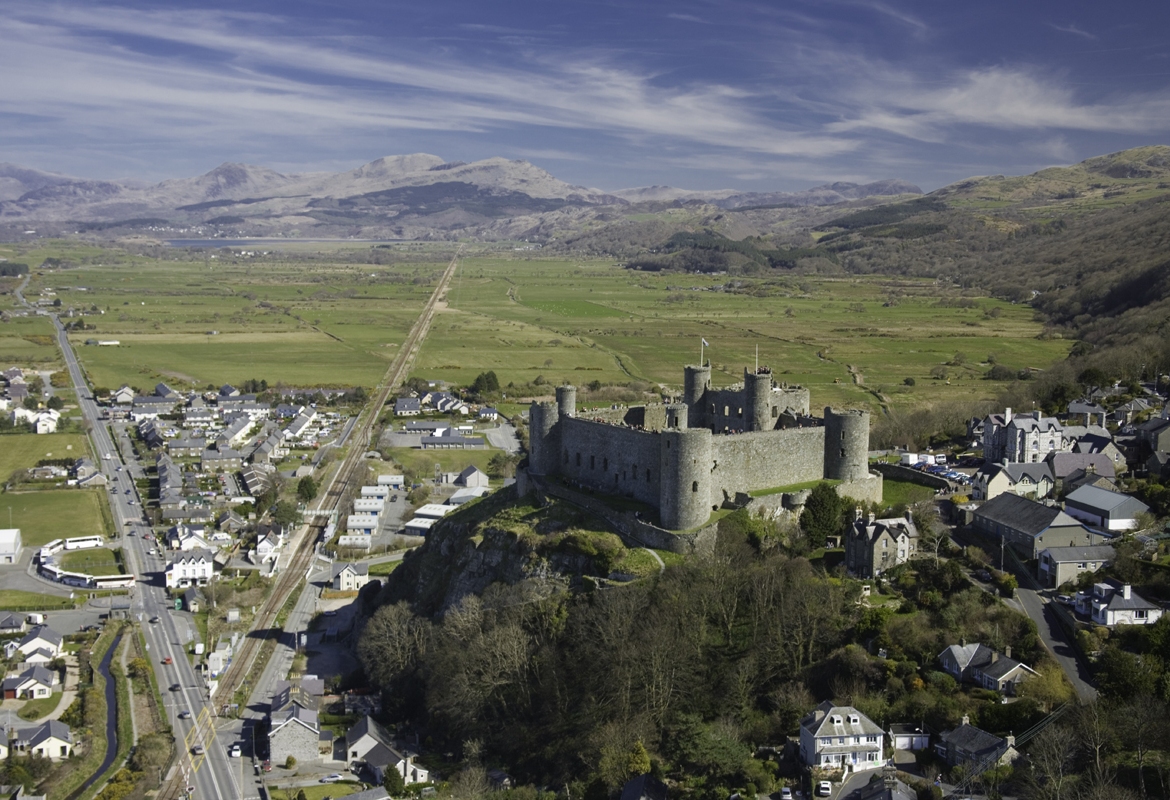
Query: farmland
[[325, 320]]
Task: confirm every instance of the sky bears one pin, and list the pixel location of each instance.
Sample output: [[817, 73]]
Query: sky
[[768, 95]]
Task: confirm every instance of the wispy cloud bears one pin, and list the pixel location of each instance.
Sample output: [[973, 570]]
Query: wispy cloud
[[1074, 30]]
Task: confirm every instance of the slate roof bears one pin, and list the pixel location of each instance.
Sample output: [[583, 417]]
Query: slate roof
[[1064, 464], [295, 713], [1084, 407], [407, 404], [1022, 514], [1028, 423], [983, 658], [42, 632], [972, 739], [367, 725], [1113, 503], [1016, 471], [356, 569], [1067, 555], [1114, 601], [818, 721]]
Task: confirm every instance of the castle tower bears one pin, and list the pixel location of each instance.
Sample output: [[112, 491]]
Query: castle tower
[[846, 444], [676, 416], [567, 400], [542, 444], [685, 478], [757, 390], [696, 382]]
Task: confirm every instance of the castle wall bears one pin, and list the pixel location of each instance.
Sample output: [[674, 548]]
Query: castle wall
[[685, 499], [541, 438], [750, 461], [610, 458], [796, 398], [696, 383]]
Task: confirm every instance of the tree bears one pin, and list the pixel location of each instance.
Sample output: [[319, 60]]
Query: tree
[[56, 403], [1052, 763], [138, 668], [485, 383], [823, 515], [502, 465], [306, 489], [301, 795], [393, 784], [286, 513]]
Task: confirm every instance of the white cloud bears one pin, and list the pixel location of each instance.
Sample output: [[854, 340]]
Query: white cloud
[[1074, 30]]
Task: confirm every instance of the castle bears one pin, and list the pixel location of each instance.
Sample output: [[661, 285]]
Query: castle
[[686, 459]]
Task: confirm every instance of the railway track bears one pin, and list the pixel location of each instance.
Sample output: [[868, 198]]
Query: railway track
[[290, 579]]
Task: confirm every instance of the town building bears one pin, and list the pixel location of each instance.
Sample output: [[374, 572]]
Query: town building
[[1060, 565], [873, 546], [967, 744], [1025, 479], [350, 577], [193, 568], [984, 667], [840, 737], [1029, 527], [1111, 511]]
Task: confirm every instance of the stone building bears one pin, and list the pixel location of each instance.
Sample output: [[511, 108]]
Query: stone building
[[295, 732], [685, 459], [873, 546]]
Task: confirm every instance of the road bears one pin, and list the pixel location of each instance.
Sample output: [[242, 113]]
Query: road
[[212, 775]]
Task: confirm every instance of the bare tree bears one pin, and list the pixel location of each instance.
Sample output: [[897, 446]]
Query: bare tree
[[1052, 757]]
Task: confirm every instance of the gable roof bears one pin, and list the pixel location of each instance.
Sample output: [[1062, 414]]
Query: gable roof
[[367, 726], [1066, 555], [1022, 514], [1064, 464], [972, 739], [356, 569], [43, 632], [820, 721], [1092, 497]]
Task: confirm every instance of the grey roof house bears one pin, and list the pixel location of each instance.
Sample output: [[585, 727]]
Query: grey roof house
[[1029, 527]]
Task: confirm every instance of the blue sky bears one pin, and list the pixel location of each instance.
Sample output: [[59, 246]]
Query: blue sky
[[773, 95]]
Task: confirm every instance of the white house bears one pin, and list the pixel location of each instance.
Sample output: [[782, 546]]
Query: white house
[[35, 682], [43, 420], [1117, 605], [41, 637], [979, 664], [51, 739], [472, 476], [10, 545], [840, 737], [366, 524], [194, 568], [350, 577], [369, 743]]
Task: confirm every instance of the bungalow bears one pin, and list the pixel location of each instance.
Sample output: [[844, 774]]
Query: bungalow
[[11, 623], [350, 577], [1112, 511], [840, 737], [967, 744], [35, 682], [42, 637], [1025, 479], [488, 414], [979, 664], [1029, 526], [407, 407], [51, 739], [1112, 605], [1060, 565], [369, 743]]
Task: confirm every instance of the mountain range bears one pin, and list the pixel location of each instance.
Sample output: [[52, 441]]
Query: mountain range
[[407, 196]]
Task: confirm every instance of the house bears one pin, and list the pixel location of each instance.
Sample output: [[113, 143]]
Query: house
[[644, 787], [42, 421], [162, 390], [1112, 511], [194, 568], [51, 739], [1028, 527], [84, 468], [1125, 412], [488, 414], [873, 546], [407, 407], [224, 459], [124, 396], [1112, 605], [369, 743], [982, 666], [1025, 479], [295, 732], [10, 545], [909, 737], [350, 577], [970, 745], [472, 476], [1064, 465], [42, 637], [840, 737], [888, 788], [1158, 465], [231, 522], [191, 600], [11, 623], [1060, 565], [267, 547], [33, 683], [186, 538], [1022, 438], [1154, 435], [1089, 412]]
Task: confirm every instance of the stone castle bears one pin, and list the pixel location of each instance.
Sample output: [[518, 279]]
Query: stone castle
[[687, 458]]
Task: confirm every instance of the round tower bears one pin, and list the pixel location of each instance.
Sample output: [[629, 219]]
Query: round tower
[[696, 382], [757, 390], [542, 450], [567, 400], [846, 444], [676, 416], [685, 478]]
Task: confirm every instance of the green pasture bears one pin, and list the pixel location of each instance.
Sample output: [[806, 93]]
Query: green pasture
[[904, 493], [17, 600], [29, 342], [57, 514], [95, 561], [422, 462], [24, 450]]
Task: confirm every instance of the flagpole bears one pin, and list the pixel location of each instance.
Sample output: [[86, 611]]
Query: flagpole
[[702, 342]]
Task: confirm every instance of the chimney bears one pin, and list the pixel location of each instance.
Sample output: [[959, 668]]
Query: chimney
[[857, 513], [910, 516], [1007, 416], [1007, 651], [1126, 591], [966, 720], [994, 656], [1036, 414], [872, 517], [962, 641], [1011, 740]]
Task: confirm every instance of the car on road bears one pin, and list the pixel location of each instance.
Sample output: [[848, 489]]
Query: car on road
[[197, 750], [154, 620], [184, 714], [1067, 600], [824, 789], [334, 778], [168, 660], [235, 751], [785, 793], [176, 687]]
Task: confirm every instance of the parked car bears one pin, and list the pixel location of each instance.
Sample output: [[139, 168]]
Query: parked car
[[234, 751], [1067, 600], [785, 794], [824, 789], [334, 778]]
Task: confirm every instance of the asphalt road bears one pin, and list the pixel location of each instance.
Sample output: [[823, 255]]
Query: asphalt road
[[213, 775]]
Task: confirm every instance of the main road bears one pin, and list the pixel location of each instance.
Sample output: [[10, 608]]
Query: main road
[[211, 773]]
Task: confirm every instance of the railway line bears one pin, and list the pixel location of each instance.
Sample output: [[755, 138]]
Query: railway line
[[289, 580]]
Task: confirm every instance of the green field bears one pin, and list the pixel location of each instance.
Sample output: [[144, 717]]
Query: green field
[[29, 342], [96, 561], [16, 600], [422, 462], [58, 514], [904, 493], [383, 568], [24, 450]]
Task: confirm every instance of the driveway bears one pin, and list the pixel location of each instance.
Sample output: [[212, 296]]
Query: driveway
[[503, 437]]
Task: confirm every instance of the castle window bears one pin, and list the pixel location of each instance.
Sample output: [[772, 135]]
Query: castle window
[[727, 411], [591, 462], [647, 476], [712, 408], [739, 412], [578, 459], [842, 435], [634, 471], [694, 486], [842, 452], [775, 412], [566, 456], [605, 464]]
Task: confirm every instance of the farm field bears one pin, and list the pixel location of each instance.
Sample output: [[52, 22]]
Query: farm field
[[29, 342], [24, 450], [327, 320], [95, 561], [58, 514]]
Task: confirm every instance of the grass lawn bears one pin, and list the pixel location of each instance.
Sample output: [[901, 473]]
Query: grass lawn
[[45, 516], [318, 792], [14, 599], [795, 487], [24, 450], [383, 568], [422, 462], [904, 493], [35, 709], [97, 561]]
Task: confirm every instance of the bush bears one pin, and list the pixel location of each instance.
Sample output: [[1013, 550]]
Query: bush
[[908, 381], [1000, 373], [290, 762]]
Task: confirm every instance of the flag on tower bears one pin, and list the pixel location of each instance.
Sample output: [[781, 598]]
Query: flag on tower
[[705, 342]]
